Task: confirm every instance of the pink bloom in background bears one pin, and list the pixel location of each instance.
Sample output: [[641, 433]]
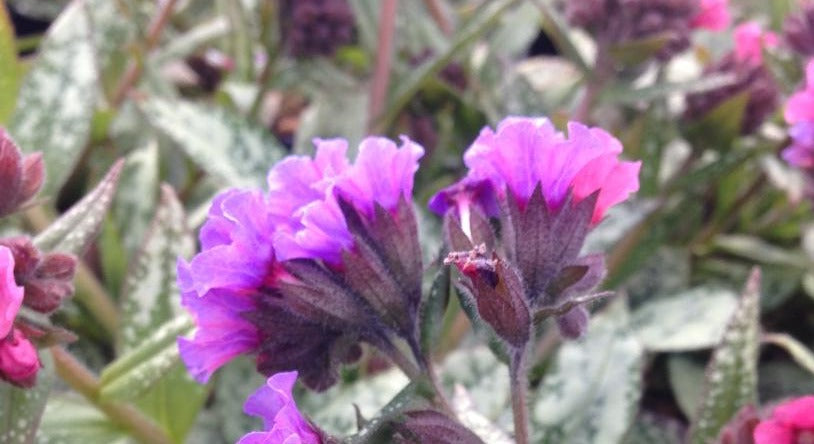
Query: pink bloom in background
[[525, 152], [19, 362], [750, 39], [283, 422], [11, 295], [800, 106], [790, 423], [714, 15], [799, 114]]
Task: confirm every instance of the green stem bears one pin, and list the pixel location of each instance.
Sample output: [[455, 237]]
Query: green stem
[[87, 384], [518, 381], [384, 56]]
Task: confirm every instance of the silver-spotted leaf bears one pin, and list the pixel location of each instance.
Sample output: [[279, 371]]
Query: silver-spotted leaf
[[21, 409]]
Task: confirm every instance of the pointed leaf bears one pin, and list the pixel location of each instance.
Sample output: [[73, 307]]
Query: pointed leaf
[[77, 228], [801, 354], [21, 409], [221, 143], [592, 393], [431, 315], [690, 320], [9, 75], [687, 382], [150, 296], [731, 376], [55, 105], [70, 418]]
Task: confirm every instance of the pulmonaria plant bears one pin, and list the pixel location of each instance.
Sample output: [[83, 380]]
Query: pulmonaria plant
[[300, 275], [752, 78], [799, 114]]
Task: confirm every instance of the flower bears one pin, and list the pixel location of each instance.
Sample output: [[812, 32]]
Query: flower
[[791, 422], [299, 275], [19, 362], [525, 153], [800, 106], [799, 113], [275, 404], [548, 190], [714, 15], [20, 176], [750, 39], [316, 27], [798, 30]]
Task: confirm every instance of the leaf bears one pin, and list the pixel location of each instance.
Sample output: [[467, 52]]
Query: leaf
[[221, 143], [623, 94], [591, 394], [633, 52], [150, 296], [10, 74], [469, 415], [721, 125], [731, 375], [21, 409], [333, 112], [650, 429], [197, 36], [69, 418], [77, 227], [690, 320], [133, 373], [801, 354], [138, 192], [56, 100], [485, 379], [687, 382]]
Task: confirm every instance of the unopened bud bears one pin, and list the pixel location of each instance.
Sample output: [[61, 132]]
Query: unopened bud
[[431, 426], [33, 175], [573, 324], [19, 362], [20, 177]]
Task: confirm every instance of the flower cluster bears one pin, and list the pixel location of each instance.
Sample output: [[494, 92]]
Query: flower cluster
[[28, 278], [316, 27], [752, 78], [799, 114], [548, 190], [302, 274], [618, 21]]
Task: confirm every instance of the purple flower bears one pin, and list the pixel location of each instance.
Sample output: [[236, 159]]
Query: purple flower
[[525, 152], [284, 424], [288, 275]]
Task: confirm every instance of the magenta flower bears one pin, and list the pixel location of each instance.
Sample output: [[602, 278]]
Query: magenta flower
[[790, 423], [799, 114], [750, 39], [525, 153], [19, 362], [283, 422], [11, 295], [800, 106], [714, 15], [272, 277]]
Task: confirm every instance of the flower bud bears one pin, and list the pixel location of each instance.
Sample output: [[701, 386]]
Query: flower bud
[[20, 177], [498, 293], [428, 426], [798, 30], [48, 279], [19, 362], [316, 27]]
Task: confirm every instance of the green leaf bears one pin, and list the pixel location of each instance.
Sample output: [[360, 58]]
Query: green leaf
[[687, 382], [77, 228], [70, 419], [133, 373], [333, 112], [650, 429], [633, 52], [591, 395], [690, 320], [221, 143], [138, 194], [10, 74], [624, 94], [55, 104], [471, 417], [433, 309], [150, 296], [731, 375], [21, 409], [721, 125], [197, 36]]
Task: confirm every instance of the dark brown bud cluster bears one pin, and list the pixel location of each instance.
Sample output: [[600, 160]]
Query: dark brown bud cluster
[[316, 27], [752, 79], [798, 30], [618, 21], [47, 279], [20, 176]]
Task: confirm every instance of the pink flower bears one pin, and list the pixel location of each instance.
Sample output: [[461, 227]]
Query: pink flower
[[11, 295], [528, 152], [790, 423], [800, 107], [714, 15], [750, 39], [19, 362]]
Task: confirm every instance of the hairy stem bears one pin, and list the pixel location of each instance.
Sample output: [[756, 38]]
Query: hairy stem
[[519, 386], [83, 381], [600, 74]]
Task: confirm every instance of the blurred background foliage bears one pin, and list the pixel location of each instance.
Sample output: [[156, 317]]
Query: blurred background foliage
[[198, 95]]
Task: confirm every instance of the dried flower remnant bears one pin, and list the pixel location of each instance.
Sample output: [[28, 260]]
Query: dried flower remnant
[[548, 190], [791, 422], [316, 27], [752, 78], [303, 273], [283, 422]]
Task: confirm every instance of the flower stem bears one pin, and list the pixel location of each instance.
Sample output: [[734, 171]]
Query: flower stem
[[83, 381], [384, 56], [519, 387]]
